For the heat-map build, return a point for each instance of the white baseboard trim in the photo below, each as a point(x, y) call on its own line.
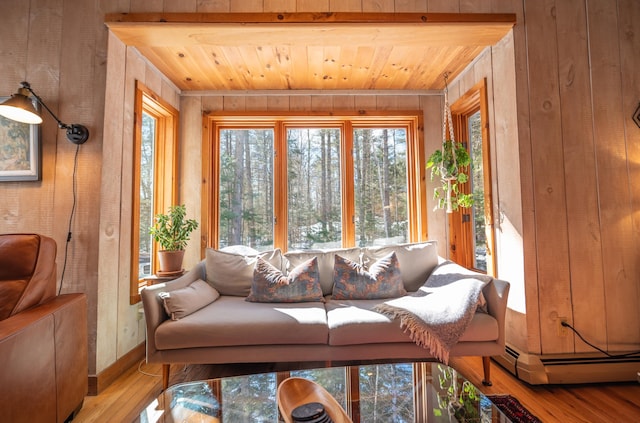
point(568, 368)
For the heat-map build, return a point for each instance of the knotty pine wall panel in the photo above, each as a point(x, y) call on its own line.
point(110, 216)
point(554, 287)
point(585, 245)
point(191, 158)
point(620, 243)
point(122, 323)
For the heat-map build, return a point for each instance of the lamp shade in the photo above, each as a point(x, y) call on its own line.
point(20, 108)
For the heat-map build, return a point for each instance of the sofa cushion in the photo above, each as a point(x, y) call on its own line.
point(353, 322)
point(483, 327)
point(231, 273)
point(417, 261)
point(325, 262)
point(382, 280)
point(184, 301)
point(231, 321)
point(270, 285)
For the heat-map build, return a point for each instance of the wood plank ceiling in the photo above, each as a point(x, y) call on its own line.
point(302, 51)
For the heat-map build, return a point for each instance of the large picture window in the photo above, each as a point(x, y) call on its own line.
point(300, 182)
point(154, 172)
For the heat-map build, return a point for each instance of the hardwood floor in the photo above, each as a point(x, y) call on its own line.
point(594, 403)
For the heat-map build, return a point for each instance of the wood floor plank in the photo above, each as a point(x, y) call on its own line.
point(131, 393)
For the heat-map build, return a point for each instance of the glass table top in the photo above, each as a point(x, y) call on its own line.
point(372, 393)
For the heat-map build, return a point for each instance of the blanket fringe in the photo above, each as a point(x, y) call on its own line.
point(424, 339)
point(416, 331)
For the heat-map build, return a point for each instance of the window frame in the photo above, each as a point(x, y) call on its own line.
point(473, 101)
point(347, 122)
point(165, 190)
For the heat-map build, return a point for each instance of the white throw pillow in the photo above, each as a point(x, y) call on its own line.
point(184, 301)
point(232, 274)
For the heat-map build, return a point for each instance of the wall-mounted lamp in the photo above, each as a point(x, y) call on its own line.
point(20, 108)
point(636, 116)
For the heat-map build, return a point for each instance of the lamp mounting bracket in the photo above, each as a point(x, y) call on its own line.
point(76, 133)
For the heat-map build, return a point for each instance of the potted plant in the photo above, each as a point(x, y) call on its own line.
point(450, 164)
point(171, 231)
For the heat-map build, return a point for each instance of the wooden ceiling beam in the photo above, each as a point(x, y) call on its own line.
point(329, 17)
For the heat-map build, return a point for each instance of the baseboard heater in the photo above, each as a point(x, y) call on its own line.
point(568, 368)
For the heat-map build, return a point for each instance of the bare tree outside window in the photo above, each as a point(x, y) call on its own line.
point(246, 188)
point(314, 188)
point(147, 154)
point(380, 169)
point(477, 188)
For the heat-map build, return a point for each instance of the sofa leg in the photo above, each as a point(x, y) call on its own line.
point(486, 367)
point(166, 368)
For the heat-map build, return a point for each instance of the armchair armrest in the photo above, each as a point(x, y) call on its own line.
point(44, 353)
point(154, 313)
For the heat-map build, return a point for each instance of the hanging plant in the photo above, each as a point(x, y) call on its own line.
point(450, 164)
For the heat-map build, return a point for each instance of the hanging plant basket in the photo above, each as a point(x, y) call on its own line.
point(450, 164)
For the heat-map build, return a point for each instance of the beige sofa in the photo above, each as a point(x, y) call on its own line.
point(225, 328)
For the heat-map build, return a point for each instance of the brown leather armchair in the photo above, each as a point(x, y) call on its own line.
point(43, 336)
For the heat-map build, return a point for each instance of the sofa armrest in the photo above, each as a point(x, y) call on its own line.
point(496, 293)
point(154, 313)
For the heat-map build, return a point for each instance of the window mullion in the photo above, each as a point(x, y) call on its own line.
point(280, 192)
point(348, 200)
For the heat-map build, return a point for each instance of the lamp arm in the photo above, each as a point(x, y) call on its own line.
point(27, 86)
point(77, 134)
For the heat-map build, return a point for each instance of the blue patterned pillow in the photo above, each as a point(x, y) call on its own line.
point(351, 281)
point(270, 285)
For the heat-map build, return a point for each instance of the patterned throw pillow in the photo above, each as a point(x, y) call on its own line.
point(351, 281)
point(417, 260)
point(270, 285)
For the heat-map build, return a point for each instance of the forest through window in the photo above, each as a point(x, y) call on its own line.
point(317, 184)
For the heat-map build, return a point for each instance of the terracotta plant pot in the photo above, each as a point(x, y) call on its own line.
point(170, 261)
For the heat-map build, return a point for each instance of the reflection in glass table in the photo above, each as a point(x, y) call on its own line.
point(376, 393)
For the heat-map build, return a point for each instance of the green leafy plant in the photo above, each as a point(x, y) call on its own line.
point(450, 164)
point(172, 230)
point(456, 398)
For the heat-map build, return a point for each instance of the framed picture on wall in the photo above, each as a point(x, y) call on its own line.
point(20, 150)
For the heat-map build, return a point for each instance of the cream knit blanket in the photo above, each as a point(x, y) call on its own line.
point(435, 317)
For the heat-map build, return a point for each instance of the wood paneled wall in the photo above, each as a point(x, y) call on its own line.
point(62, 55)
point(578, 168)
point(566, 151)
point(125, 67)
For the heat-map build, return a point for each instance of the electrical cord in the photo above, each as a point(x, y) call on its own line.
point(73, 209)
point(630, 354)
point(144, 361)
